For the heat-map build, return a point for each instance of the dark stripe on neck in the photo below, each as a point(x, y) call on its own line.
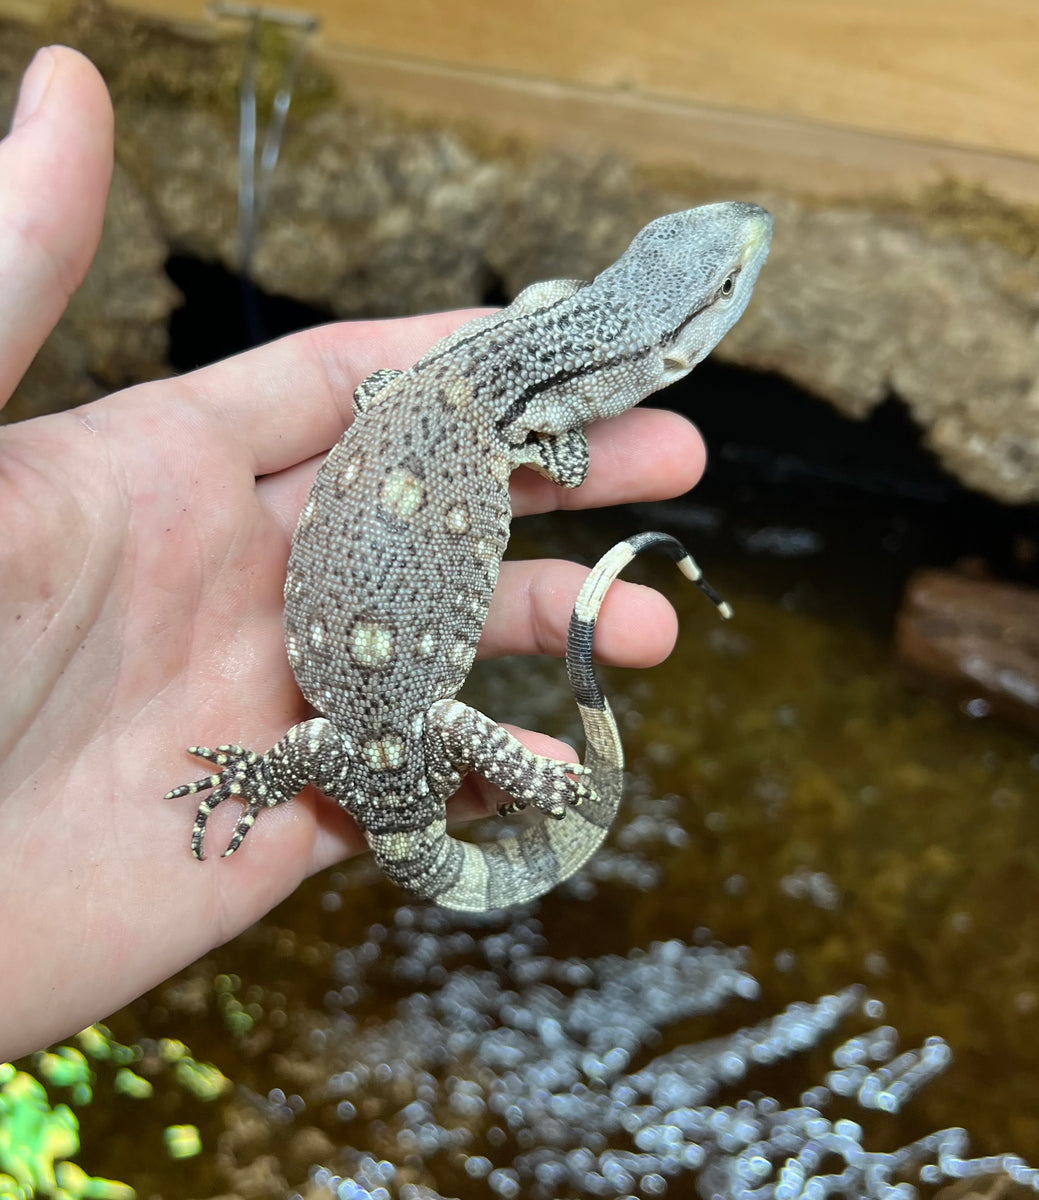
point(671, 337)
point(435, 355)
point(519, 406)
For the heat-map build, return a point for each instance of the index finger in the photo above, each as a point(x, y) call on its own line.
point(286, 401)
point(643, 454)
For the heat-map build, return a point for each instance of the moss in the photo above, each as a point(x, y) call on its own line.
point(40, 1139)
point(145, 61)
point(968, 210)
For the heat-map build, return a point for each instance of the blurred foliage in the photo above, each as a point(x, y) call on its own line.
point(39, 1139)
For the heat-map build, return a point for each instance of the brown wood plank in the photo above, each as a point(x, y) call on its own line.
point(954, 71)
point(821, 95)
point(805, 157)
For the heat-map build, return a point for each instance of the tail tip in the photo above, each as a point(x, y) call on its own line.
point(689, 568)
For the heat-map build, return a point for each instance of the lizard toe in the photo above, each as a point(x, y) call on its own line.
point(241, 775)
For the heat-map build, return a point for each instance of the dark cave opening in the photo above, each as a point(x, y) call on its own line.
point(223, 314)
point(778, 457)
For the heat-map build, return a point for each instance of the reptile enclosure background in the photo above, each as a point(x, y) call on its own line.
point(790, 792)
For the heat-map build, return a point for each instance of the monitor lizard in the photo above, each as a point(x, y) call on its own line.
point(399, 543)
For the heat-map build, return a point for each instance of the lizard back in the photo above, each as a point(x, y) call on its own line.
point(384, 610)
point(398, 548)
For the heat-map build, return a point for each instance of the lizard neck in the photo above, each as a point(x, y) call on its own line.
point(561, 367)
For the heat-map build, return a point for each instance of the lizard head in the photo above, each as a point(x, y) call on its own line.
point(693, 273)
point(639, 325)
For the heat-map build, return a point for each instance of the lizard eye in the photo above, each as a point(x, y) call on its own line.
point(728, 284)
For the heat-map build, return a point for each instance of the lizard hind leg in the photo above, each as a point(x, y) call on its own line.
point(471, 741)
point(311, 752)
point(476, 877)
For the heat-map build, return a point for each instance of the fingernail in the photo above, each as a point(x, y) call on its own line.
point(35, 82)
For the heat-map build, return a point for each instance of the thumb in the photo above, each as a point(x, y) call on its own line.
point(55, 167)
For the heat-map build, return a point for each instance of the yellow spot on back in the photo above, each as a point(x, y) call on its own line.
point(346, 475)
point(371, 644)
point(458, 393)
point(385, 753)
point(458, 519)
point(402, 493)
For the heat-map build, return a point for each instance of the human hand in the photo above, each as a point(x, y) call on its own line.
point(145, 541)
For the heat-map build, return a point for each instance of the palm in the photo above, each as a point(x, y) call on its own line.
point(140, 605)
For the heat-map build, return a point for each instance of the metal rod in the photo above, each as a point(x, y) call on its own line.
point(254, 183)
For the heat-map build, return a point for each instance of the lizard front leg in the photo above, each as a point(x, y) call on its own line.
point(311, 752)
point(470, 741)
point(563, 457)
point(372, 386)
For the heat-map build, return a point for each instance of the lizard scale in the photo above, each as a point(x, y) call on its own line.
point(398, 547)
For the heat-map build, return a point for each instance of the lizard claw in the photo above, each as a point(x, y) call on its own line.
point(241, 775)
point(555, 789)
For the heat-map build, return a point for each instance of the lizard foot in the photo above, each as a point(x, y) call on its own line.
point(554, 787)
point(241, 775)
point(468, 740)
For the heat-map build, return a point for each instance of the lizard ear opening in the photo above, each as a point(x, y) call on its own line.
point(675, 366)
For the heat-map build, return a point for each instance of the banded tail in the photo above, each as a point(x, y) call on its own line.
point(515, 870)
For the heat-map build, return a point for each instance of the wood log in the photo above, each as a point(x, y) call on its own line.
point(977, 639)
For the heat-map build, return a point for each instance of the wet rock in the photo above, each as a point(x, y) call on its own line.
point(978, 638)
point(856, 305)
